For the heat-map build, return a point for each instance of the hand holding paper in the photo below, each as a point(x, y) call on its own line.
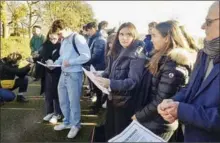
point(66, 63)
point(105, 82)
point(49, 64)
point(93, 78)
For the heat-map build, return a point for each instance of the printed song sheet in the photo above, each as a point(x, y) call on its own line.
point(48, 65)
point(135, 132)
point(91, 76)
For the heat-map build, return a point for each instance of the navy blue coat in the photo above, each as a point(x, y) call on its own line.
point(148, 44)
point(125, 73)
point(201, 113)
point(97, 45)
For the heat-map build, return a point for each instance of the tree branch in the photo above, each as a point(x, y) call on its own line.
point(35, 21)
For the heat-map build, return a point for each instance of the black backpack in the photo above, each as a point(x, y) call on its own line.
point(74, 44)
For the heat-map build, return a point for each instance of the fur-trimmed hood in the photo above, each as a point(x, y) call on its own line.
point(183, 56)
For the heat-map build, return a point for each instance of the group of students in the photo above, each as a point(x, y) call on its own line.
point(173, 86)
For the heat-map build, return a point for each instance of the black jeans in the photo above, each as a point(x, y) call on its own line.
point(51, 93)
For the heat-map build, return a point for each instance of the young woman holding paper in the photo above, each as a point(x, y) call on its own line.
point(123, 77)
point(50, 52)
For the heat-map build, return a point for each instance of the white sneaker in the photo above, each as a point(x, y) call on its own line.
point(54, 119)
point(61, 127)
point(104, 105)
point(73, 132)
point(94, 98)
point(48, 117)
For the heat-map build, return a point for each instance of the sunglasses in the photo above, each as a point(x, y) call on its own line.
point(208, 22)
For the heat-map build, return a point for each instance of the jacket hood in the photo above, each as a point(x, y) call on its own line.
point(182, 56)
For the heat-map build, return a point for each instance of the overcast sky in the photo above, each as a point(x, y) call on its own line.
point(189, 13)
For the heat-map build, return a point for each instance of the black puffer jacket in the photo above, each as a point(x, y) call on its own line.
point(9, 71)
point(174, 71)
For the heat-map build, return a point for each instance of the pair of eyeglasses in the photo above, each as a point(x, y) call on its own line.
point(208, 22)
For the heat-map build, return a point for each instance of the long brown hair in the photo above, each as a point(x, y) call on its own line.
point(110, 39)
point(116, 43)
point(175, 39)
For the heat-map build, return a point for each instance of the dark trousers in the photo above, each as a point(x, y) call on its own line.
point(21, 84)
point(51, 93)
point(117, 119)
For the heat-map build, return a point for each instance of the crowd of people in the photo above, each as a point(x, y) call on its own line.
point(165, 81)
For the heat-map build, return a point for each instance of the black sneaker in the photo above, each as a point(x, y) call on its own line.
point(21, 98)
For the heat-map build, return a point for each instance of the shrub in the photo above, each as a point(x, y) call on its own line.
point(15, 44)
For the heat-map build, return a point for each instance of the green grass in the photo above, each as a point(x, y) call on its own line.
point(22, 122)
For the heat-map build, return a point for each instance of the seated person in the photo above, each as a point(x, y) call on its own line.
point(12, 77)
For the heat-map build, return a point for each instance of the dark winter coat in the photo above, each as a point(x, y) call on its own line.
point(173, 74)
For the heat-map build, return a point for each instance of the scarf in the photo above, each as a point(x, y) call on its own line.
point(211, 48)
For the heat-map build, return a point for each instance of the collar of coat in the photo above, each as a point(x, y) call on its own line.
point(186, 57)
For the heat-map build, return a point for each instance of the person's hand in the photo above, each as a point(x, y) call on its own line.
point(165, 104)
point(168, 110)
point(66, 63)
point(105, 82)
point(174, 109)
point(133, 117)
point(30, 60)
point(49, 63)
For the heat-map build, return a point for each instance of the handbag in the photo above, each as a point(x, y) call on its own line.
point(7, 84)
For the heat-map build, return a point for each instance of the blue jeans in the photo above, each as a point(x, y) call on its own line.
point(69, 91)
point(6, 95)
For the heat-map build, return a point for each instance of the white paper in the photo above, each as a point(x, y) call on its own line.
point(92, 68)
point(48, 65)
point(135, 132)
point(91, 76)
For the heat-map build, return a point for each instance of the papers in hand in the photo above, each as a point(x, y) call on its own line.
point(135, 132)
point(91, 76)
point(48, 65)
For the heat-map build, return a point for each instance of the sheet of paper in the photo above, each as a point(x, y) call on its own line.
point(92, 68)
point(48, 65)
point(135, 132)
point(91, 76)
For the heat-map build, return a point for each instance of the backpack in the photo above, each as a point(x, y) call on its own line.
point(74, 45)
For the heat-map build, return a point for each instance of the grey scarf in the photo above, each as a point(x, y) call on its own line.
point(211, 48)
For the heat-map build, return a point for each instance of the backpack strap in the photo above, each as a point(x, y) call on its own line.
point(74, 44)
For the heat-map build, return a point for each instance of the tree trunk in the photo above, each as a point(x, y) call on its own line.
point(30, 21)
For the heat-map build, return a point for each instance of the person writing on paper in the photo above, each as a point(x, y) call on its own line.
point(166, 72)
point(50, 52)
point(125, 74)
point(198, 105)
point(70, 82)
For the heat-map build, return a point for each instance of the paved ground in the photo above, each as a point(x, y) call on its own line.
point(23, 122)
